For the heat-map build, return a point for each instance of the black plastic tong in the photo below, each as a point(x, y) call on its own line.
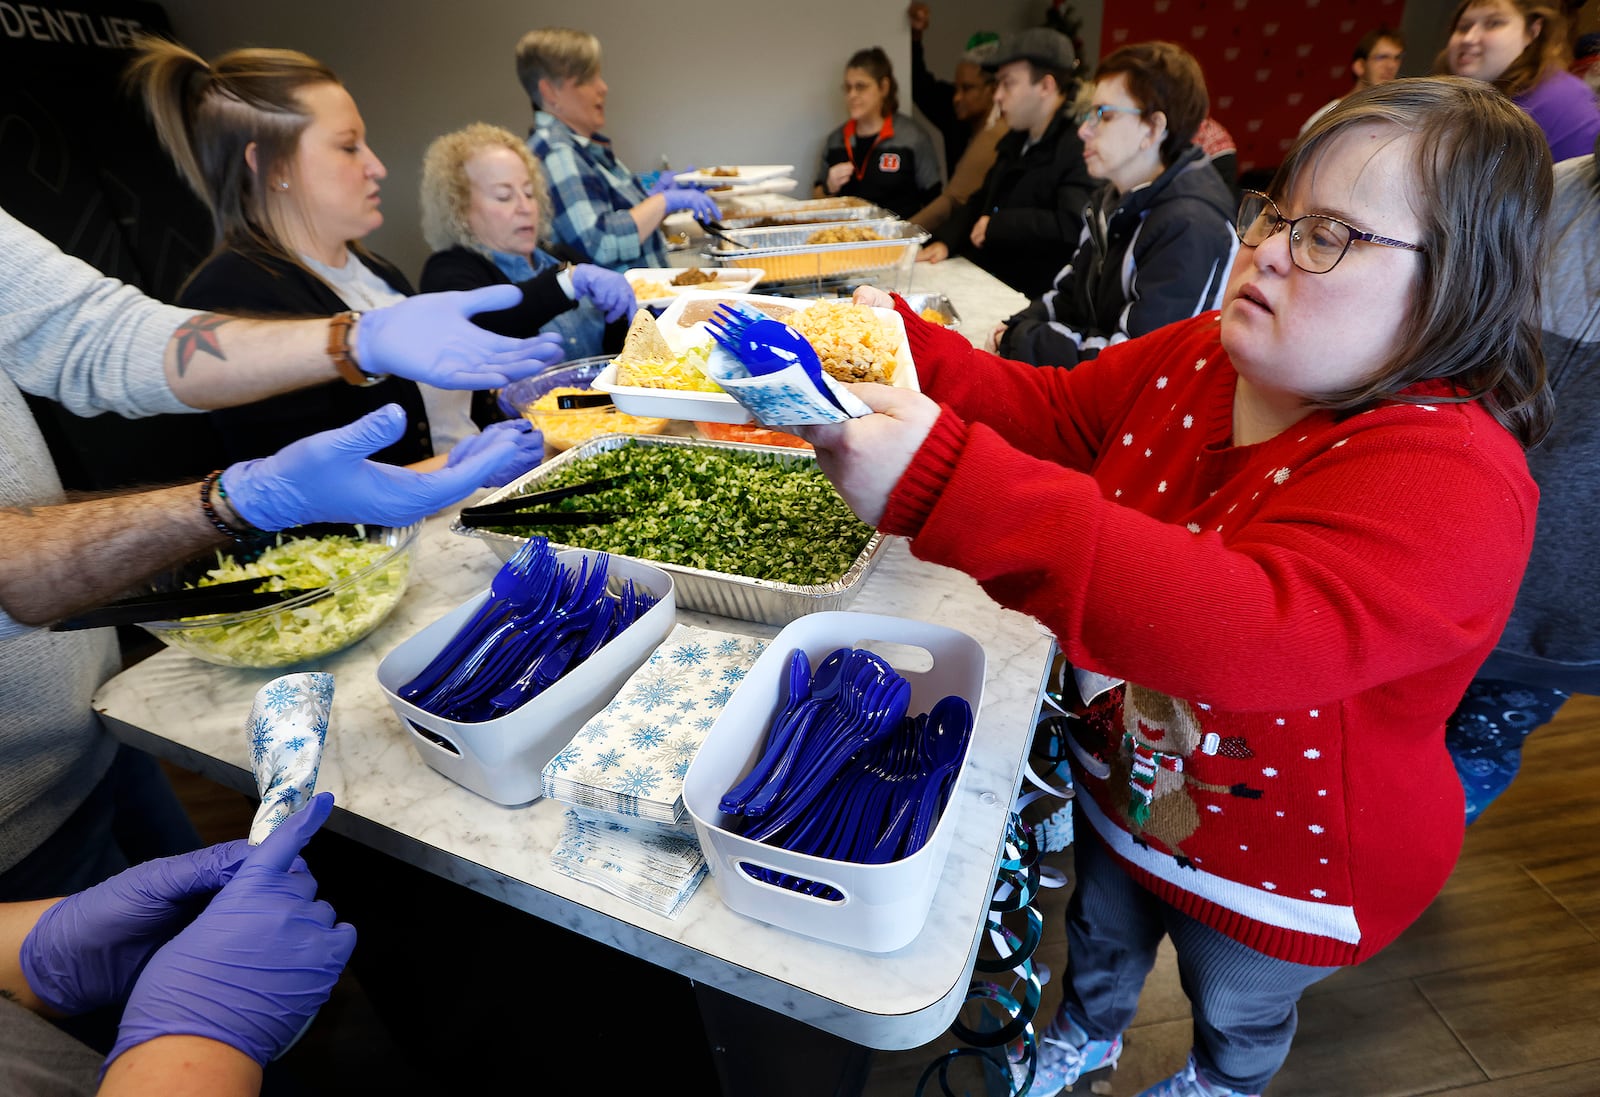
point(522, 510)
point(232, 597)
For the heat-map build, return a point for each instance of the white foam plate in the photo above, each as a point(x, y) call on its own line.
point(729, 280)
point(748, 173)
point(719, 407)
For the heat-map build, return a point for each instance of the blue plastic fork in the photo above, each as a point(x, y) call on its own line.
point(789, 737)
point(765, 345)
point(943, 746)
point(528, 642)
point(797, 686)
point(522, 581)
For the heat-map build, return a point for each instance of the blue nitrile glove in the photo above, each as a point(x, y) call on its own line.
point(429, 338)
point(611, 293)
point(528, 450)
point(85, 951)
point(696, 202)
point(256, 964)
point(327, 478)
point(666, 180)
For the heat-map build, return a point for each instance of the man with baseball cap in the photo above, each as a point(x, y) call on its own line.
point(1025, 220)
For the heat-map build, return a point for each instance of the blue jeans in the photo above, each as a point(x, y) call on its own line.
point(1486, 731)
point(1243, 1002)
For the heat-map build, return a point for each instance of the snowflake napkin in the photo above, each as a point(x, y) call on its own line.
point(287, 727)
point(631, 757)
point(646, 864)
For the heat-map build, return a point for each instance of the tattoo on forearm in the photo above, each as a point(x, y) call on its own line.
point(199, 334)
point(7, 995)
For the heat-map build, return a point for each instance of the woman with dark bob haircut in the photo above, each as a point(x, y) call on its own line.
point(1286, 534)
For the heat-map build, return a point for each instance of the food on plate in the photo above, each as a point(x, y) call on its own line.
point(934, 316)
point(694, 276)
point(722, 171)
point(678, 239)
point(565, 428)
point(760, 515)
point(644, 290)
point(648, 360)
point(752, 433)
point(850, 339)
point(843, 234)
point(696, 311)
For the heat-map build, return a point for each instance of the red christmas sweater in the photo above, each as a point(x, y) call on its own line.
point(1294, 620)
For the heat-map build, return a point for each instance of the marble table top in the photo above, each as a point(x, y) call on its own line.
point(193, 714)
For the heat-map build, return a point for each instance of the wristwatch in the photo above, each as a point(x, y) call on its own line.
point(341, 350)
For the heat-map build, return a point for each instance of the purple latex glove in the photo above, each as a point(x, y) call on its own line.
point(257, 963)
point(85, 951)
point(696, 202)
point(611, 293)
point(528, 451)
point(666, 180)
point(429, 338)
point(326, 477)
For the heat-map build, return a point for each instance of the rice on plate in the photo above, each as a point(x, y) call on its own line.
point(851, 341)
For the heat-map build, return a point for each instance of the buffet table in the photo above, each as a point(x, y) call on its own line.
point(193, 714)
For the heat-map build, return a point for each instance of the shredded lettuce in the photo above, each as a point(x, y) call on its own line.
point(276, 638)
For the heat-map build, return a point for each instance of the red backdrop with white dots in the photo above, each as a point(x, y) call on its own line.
point(1268, 63)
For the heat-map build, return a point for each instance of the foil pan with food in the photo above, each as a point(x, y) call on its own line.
point(746, 531)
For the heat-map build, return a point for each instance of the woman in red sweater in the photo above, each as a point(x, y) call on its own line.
point(1291, 531)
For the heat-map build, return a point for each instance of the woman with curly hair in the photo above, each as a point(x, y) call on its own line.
point(485, 208)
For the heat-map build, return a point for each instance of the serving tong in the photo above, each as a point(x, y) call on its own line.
point(235, 596)
point(513, 510)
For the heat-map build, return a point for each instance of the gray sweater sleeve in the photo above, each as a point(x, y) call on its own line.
point(72, 334)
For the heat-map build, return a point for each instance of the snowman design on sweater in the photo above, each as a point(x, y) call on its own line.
point(1159, 733)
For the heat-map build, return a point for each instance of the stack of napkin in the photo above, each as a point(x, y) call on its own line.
point(628, 831)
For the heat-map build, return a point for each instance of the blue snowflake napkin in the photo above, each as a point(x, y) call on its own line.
point(631, 758)
point(287, 727)
point(648, 864)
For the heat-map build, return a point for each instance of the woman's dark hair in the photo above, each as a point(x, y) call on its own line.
point(1163, 77)
point(875, 63)
point(1482, 187)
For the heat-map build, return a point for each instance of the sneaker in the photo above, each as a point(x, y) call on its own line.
point(1188, 1082)
point(1065, 1053)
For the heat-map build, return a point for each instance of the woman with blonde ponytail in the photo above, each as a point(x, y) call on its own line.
point(275, 146)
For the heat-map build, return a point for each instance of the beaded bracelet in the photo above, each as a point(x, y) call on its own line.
point(214, 477)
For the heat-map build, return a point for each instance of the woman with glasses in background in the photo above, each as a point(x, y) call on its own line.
point(1157, 236)
point(879, 154)
point(1521, 47)
point(1287, 533)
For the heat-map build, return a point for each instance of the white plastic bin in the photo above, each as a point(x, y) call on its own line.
point(882, 907)
point(502, 759)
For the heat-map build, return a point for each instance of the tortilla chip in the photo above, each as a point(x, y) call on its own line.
point(644, 343)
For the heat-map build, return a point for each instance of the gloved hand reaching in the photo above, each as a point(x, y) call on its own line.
point(611, 293)
point(666, 180)
point(327, 477)
point(695, 201)
point(85, 951)
point(528, 449)
point(430, 338)
point(255, 966)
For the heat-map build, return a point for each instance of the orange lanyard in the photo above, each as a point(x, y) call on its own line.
point(860, 170)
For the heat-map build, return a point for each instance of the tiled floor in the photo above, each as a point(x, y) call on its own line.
point(1494, 991)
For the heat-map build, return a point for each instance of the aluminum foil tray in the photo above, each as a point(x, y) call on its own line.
point(936, 301)
point(782, 251)
point(809, 212)
point(738, 596)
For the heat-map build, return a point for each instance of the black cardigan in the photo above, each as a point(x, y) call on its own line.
point(462, 268)
point(254, 283)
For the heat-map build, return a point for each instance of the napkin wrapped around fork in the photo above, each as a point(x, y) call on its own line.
point(287, 727)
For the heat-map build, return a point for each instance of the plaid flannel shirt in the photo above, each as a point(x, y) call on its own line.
point(591, 192)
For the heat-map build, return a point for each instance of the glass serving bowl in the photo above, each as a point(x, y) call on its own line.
point(311, 626)
point(565, 429)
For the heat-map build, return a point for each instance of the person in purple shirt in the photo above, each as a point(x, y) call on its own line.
point(1520, 46)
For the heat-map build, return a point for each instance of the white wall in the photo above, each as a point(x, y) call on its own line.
point(700, 81)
